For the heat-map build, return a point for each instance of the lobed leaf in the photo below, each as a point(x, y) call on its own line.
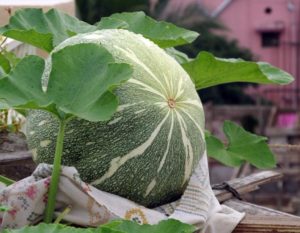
point(11, 58)
point(162, 33)
point(165, 226)
point(217, 150)
point(242, 146)
point(22, 88)
point(121, 226)
point(4, 208)
point(50, 228)
point(43, 30)
point(111, 23)
point(180, 57)
point(6, 181)
point(72, 90)
point(85, 92)
point(4, 65)
point(206, 71)
point(46, 30)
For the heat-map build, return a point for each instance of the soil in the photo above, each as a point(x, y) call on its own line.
point(10, 143)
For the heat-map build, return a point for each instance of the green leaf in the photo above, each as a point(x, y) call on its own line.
point(51, 228)
point(43, 30)
point(81, 78)
point(11, 58)
point(3, 104)
point(242, 146)
point(6, 180)
point(165, 226)
point(111, 23)
point(162, 33)
point(206, 71)
point(4, 208)
point(46, 30)
point(4, 65)
point(121, 226)
point(22, 88)
point(217, 150)
point(80, 83)
point(180, 57)
point(8, 60)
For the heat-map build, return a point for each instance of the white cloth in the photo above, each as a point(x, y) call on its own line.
point(92, 207)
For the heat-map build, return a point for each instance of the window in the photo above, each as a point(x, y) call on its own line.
point(270, 39)
point(268, 10)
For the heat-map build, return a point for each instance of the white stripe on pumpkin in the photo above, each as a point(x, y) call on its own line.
point(119, 161)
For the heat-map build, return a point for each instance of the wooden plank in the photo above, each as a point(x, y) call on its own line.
point(258, 219)
point(268, 224)
point(256, 210)
point(13, 157)
point(248, 184)
point(263, 219)
point(274, 131)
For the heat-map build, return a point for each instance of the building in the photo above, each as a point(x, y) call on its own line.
point(270, 29)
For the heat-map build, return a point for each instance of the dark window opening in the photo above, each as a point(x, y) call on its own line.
point(268, 10)
point(270, 39)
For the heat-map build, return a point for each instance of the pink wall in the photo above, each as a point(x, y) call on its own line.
point(247, 20)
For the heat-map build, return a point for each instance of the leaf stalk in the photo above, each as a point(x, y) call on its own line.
point(55, 173)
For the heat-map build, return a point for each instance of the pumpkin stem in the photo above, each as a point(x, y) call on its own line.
point(55, 173)
point(171, 103)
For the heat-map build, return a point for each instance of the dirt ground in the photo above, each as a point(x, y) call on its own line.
point(11, 143)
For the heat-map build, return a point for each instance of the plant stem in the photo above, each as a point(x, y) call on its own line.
point(62, 215)
point(6, 180)
point(55, 173)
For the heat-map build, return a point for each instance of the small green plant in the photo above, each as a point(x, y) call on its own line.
point(67, 96)
point(10, 121)
point(123, 226)
point(6, 180)
point(3, 208)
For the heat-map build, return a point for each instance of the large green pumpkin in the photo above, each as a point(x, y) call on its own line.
point(149, 149)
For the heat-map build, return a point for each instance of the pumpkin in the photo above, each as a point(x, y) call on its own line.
point(149, 149)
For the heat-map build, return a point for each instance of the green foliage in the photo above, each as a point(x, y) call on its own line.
point(180, 57)
point(92, 11)
point(46, 30)
point(22, 89)
point(120, 226)
point(7, 125)
point(90, 99)
point(3, 208)
point(4, 65)
point(242, 146)
point(109, 23)
point(8, 60)
point(43, 30)
point(166, 226)
point(11, 58)
point(162, 33)
point(6, 180)
point(86, 92)
point(207, 70)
